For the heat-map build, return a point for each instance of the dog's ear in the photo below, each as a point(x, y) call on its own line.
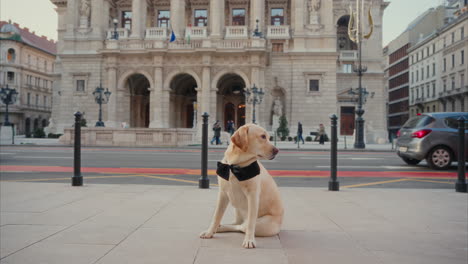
point(241, 138)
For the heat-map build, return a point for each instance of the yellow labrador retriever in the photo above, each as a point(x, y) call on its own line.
point(248, 186)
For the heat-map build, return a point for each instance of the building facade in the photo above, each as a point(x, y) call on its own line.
point(27, 65)
point(168, 61)
point(399, 77)
point(439, 68)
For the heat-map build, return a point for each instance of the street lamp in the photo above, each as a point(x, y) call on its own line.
point(8, 97)
point(355, 33)
point(101, 97)
point(254, 96)
point(257, 32)
point(115, 34)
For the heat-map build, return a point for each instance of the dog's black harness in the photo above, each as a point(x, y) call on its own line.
point(242, 174)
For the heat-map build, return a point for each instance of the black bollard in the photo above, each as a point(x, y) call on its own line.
point(204, 182)
point(333, 184)
point(460, 185)
point(77, 179)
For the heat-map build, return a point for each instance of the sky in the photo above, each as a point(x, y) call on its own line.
point(40, 16)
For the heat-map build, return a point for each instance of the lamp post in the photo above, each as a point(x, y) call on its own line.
point(8, 97)
point(115, 34)
point(257, 32)
point(355, 33)
point(101, 97)
point(254, 96)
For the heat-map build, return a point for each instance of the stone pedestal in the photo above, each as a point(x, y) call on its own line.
point(6, 135)
point(84, 22)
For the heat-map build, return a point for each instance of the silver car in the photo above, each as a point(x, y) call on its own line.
point(431, 136)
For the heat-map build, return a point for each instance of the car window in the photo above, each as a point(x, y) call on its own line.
point(418, 121)
point(452, 121)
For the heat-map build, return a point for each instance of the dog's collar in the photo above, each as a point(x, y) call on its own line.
point(242, 174)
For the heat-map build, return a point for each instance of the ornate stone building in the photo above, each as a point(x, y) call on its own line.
point(297, 51)
point(26, 65)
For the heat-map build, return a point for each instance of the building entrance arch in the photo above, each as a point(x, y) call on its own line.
point(231, 99)
point(138, 86)
point(183, 98)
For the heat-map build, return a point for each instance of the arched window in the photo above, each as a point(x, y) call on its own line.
point(11, 55)
point(344, 43)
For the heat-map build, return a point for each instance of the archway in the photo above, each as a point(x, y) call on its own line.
point(344, 43)
point(138, 86)
point(183, 96)
point(231, 99)
point(27, 127)
point(36, 124)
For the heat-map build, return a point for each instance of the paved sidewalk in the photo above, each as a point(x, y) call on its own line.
point(50, 223)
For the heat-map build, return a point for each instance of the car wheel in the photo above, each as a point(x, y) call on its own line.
point(411, 161)
point(439, 158)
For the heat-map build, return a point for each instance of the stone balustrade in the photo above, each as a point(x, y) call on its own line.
point(236, 32)
point(132, 137)
point(142, 45)
point(348, 55)
point(196, 32)
point(122, 32)
point(156, 33)
point(278, 32)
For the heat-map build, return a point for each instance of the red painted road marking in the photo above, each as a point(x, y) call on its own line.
point(282, 173)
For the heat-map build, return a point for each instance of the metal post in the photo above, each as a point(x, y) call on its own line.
point(77, 179)
point(461, 185)
point(333, 184)
point(253, 103)
point(204, 182)
point(7, 122)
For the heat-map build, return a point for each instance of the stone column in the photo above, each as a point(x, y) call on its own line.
point(298, 8)
point(138, 18)
point(99, 17)
point(71, 17)
point(216, 18)
point(112, 118)
point(257, 11)
point(178, 17)
point(156, 99)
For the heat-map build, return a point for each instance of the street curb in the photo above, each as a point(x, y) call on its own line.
point(194, 146)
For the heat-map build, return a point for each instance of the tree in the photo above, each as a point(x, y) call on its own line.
point(283, 129)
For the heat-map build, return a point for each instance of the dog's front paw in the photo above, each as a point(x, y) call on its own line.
point(206, 234)
point(249, 243)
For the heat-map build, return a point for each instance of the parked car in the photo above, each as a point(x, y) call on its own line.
point(431, 136)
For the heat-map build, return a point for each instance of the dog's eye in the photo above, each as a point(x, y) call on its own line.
point(263, 136)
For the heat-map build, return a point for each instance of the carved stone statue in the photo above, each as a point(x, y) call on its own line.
point(85, 12)
point(277, 107)
point(85, 8)
point(314, 6)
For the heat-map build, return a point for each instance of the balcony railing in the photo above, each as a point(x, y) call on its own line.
point(196, 32)
point(136, 45)
point(278, 32)
point(156, 33)
point(348, 55)
point(236, 32)
point(122, 32)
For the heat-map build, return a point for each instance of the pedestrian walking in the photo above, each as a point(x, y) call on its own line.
point(230, 127)
point(299, 133)
point(321, 133)
point(217, 133)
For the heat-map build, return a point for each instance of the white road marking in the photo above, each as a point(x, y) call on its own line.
point(340, 158)
point(376, 167)
point(6, 153)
